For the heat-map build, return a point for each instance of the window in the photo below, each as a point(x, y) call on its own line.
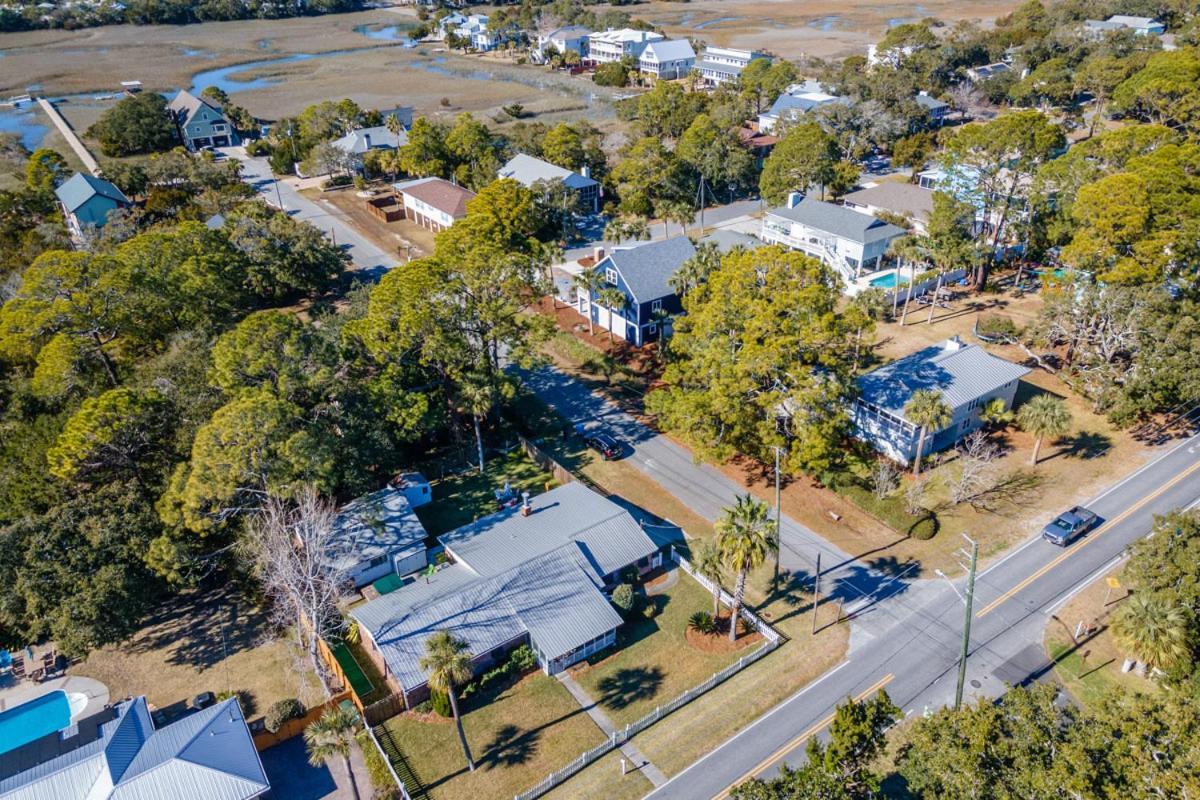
point(377, 560)
point(653, 328)
point(610, 275)
point(656, 305)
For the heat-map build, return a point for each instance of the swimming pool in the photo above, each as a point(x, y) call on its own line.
point(887, 281)
point(34, 719)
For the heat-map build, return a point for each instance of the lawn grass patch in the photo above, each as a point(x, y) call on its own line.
point(518, 735)
point(653, 662)
point(603, 779)
point(464, 498)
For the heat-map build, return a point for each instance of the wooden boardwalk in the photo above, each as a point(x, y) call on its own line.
point(69, 134)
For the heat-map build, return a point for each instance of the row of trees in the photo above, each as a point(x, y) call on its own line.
point(28, 15)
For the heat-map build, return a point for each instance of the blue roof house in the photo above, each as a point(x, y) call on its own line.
point(87, 201)
point(965, 375)
point(643, 274)
point(119, 754)
point(537, 574)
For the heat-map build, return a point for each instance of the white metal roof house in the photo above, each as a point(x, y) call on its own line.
point(851, 242)
point(528, 170)
point(534, 574)
point(570, 37)
point(1141, 26)
point(795, 103)
point(379, 534)
point(720, 65)
point(613, 45)
point(667, 59)
point(118, 754)
point(988, 71)
point(965, 375)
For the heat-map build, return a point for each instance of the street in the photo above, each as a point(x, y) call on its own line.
point(905, 635)
point(364, 255)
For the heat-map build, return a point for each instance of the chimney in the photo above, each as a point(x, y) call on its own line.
point(526, 508)
point(598, 254)
point(367, 138)
point(952, 344)
point(794, 199)
point(585, 171)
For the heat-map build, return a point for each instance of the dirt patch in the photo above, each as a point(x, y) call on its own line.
point(719, 642)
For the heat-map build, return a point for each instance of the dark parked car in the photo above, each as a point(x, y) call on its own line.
point(203, 700)
point(608, 447)
point(1069, 526)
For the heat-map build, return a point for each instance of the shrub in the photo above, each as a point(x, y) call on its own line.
point(650, 610)
point(441, 703)
point(424, 707)
point(377, 769)
point(994, 326)
point(280, 712)
point(623, 598)
point(612, 74)
point(702, 622)
point(523, 658)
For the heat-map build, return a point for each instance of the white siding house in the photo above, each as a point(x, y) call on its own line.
point(379, 534)
point(668, 59)
point(433, 203)
point(851, 242)
point(613, 45)
point(720, 65)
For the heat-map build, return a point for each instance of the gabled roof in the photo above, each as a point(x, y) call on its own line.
point(359, 141)
point(539, 574)
point(568, 32)
point(958, 372)
point(907, 199)
point(208, 755)
point(187, 104)
point(930, 103)
point(377, 524)
point(803, 102)
point(620, 35)
point(527, 170)
point(647, 268)
point(439, 193)
point(81, 187)
point(669, 50)
point(838, 220)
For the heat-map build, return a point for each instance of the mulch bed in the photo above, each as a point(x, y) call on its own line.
point(719, 642)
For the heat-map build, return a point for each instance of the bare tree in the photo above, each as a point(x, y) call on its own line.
point(885, 478)
point(914, 496)
point(293, 551)
point(978, 469)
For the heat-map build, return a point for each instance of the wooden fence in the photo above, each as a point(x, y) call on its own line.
point(383, 709)
point(546, 461)
point(387, 208)
point(294, 727)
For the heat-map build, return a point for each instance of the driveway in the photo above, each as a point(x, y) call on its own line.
point(293, 778)
point(365, 256)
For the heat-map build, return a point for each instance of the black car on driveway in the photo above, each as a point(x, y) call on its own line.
point(1069, 526)
point(608, 447)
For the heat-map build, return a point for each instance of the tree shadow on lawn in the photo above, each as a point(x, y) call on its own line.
point(510, 746)
point(203, 627)
point(629, 685)
point(1084, 445)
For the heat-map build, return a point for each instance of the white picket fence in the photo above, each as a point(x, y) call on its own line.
point(771, 639)
point(404, 795)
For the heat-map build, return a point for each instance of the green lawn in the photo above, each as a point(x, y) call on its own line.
point(653, 662)
point(518, 736)
point(603, 779)
point(464, 498)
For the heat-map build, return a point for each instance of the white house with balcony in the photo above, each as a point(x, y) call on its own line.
point(613, 45)
point(1141, 26)
point(573, 38)
point(667, 59)
point(851, 242)
point(720, 65)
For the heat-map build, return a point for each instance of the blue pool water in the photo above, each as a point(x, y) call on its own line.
point(33, 720)
point(887, 281)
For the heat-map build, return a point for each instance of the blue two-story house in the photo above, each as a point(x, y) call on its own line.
point(642, 273)
point(200, 124)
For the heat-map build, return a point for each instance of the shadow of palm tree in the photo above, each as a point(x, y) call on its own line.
point(1085, 445)
point(629, 685)
point(509, 747)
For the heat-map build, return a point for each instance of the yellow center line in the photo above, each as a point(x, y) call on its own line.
point(1070, 551)
point(802, 738)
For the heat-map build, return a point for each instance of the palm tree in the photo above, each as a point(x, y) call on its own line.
point(746, 536)
point(927, 410)
point(696, 269)
point(709, 564)
point(995, 413)
point(636, 228)
point(478, 397)
point(332, 735)
point(615, 231)
point(1044, 415)
point(911, 250)
point(589, 282)
point(613, 298)
point(1151, 629)
point(447, 662)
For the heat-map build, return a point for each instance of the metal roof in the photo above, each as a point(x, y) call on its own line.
point(647, 268)
point(838, 220)
point(725, 69)
point(907, 199)
point(359, 141)
point(958, 372)
point(803, 102)
point(81, 187)
point(377, 524)
point(527, 170)
point(670, 50)
point(726, 240)
point(208, 755)
point(539, 574)
point(930, 103)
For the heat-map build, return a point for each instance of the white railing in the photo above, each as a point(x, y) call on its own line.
point(771, 639)
point(819, 250)
point(404, 795)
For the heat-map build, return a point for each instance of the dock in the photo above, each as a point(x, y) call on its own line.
point(69, 134)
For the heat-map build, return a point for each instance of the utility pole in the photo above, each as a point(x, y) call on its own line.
point(816, 594)
point(966, 640)
point(778, 518)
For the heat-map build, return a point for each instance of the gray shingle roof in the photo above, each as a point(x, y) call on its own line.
point(726, 240)
point(376, 524)
point(838, 220)
point(929, 103)
point(208, 755)
point(81, 187)
point(900, 198)
point(359, 141)
point(527, 170)
point(647, 268)
point(959, 372)
point(540, 575)
point(185, 105)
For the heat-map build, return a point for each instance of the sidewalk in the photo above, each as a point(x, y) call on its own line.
point(628, 749)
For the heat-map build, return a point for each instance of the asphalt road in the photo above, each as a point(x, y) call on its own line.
point(364, 255)
point(905, 635)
